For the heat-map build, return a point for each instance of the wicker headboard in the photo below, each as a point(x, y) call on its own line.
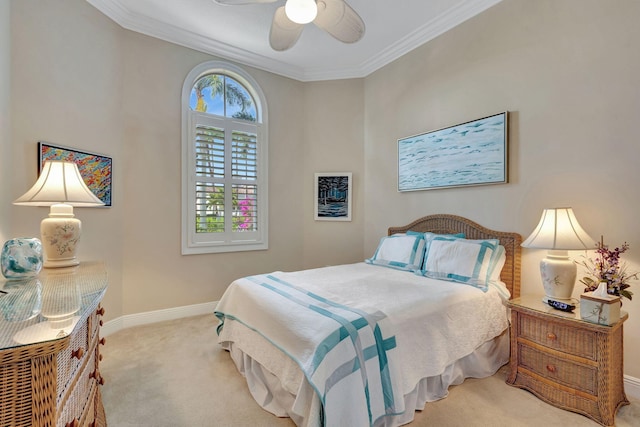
point(451, 224)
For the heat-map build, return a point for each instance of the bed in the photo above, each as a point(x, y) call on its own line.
point(368, 344)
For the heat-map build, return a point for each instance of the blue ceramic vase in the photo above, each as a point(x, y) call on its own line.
point(21, 258)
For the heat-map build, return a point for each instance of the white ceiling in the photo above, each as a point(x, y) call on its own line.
point(241, 33)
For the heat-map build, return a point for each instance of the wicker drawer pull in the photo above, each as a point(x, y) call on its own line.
point(551, 336)
point(100, 311)
point(551, 368)
point(96, 374)
point(102, 341)
point(78, 353)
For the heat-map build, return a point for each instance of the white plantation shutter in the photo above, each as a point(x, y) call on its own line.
point(209, 146)
point(247, 196)
point(244, 155)
point(224, 181)
point(209, 165)
point(244, 169)
point(203, 191)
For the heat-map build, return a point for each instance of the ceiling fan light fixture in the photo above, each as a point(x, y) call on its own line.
point(301, 11)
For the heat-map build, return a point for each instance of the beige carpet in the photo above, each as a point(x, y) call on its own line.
point(174, 374)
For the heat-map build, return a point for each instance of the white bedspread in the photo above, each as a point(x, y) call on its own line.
point(435, 322)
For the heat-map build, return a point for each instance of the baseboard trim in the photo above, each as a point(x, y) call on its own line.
point(138, 319)
point(631, 384)
point(632, 387)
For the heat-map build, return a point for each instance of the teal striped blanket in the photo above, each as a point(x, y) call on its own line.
point(348, 354)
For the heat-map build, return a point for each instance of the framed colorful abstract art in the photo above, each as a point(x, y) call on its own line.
point(96, 169)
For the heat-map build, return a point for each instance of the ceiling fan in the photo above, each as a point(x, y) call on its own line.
point(336, 17)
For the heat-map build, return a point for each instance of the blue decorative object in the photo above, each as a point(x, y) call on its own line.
point(21, 257)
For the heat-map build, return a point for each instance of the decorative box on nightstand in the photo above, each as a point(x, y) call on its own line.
point(604, 310)
point(566, 361)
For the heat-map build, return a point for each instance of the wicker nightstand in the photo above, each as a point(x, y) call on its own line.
point(49, 348)
point(565, 361)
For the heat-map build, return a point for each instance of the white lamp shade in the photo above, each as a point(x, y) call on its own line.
point(558, 229)
point(301, 11)
point(60, 186)
point(559, 232)
point(59, 182)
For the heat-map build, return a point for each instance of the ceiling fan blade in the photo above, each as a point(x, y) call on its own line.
point(284, 32)
point(235, 2)
point(338, 19)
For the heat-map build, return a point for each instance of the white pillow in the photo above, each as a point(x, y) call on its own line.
point(399, 251)
point(497, 268)
point(495, 281)
point(462, 260)
point(429, 236)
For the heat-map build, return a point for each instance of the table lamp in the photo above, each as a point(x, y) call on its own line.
point(559, 232)
point(61, 187)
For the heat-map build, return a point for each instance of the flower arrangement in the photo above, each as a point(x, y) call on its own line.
point(608, 268)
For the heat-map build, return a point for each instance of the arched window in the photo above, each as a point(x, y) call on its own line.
point(224, 161)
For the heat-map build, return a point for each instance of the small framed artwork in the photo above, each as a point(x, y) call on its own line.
point(96, 169)
point(471, 153)
point(333, 196)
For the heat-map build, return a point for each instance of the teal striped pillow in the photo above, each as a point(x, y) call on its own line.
point(462, 260)
point(399, 251)
point(429, 236)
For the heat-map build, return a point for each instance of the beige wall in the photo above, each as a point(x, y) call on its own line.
point(66, 83)
point(568, 73)
point(334, 119)
point(156, 275)
point(80, 80)
point(566, 70)
point(5, 135)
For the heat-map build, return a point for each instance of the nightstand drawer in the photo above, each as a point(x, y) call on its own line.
point(71, 358)
point(567, 339)
point(81, 396)
point(580, 377)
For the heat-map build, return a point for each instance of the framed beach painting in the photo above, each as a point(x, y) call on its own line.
point(96, 169)
point(471, 153)
point(332, 196)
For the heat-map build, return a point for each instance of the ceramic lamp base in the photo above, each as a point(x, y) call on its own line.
point(558, 274)
point(61, 263)
point(60, 236)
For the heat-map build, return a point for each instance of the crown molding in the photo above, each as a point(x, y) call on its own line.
point(438, 25)
point(121, 15)
point(433, 28)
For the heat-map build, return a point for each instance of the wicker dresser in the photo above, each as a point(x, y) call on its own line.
point(49, 348)
point(565, 361)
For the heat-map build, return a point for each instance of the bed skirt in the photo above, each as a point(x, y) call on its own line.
point(280, 388)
